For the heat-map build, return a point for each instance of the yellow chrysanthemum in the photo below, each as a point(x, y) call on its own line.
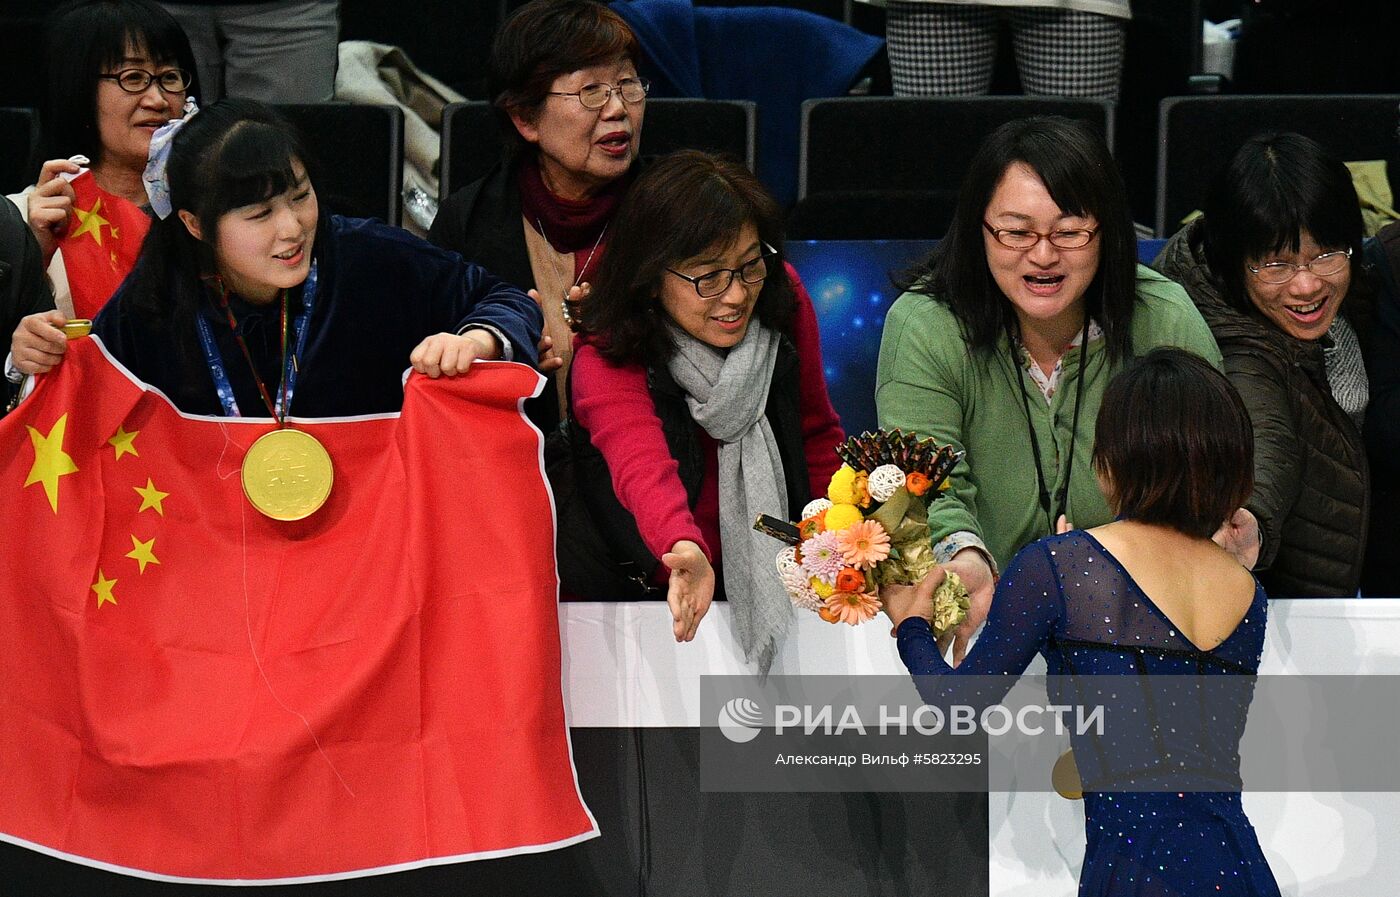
point(839, 516)
point(841, 490)
point(823, 589)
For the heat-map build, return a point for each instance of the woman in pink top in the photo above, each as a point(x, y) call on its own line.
point(696, 402)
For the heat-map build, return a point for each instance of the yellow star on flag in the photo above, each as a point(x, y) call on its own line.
point(90, 222)
point(143, 553)
point(103, 588)
point(116, 232)
point(151, 497)
point(50, 460)
point(124, 442)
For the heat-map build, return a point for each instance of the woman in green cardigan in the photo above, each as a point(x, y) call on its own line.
point(985, 349)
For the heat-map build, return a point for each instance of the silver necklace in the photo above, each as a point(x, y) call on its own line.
point(564, 300)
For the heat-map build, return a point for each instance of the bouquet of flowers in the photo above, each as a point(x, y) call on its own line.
point(870, 530)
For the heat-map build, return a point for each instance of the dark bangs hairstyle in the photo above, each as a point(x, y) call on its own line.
point(88, 38)
point(232, 154)
point(1173, 443)
point(541, 41)
point(1074, 164)
point(1275, 187)
point(680, 206)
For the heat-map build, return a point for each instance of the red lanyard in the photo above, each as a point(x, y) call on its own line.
point(262, 387)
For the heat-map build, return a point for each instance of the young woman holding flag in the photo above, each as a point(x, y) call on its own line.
point(246, 299)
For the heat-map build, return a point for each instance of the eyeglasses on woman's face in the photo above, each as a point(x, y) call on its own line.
point(138, 80)
point(714, 283)
point(1020, 238)
point(596, 96)
point(1325, 265)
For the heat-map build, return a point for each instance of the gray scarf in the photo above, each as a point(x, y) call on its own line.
point(726, 395)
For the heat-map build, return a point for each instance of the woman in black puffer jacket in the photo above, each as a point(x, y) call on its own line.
point(1276, 269)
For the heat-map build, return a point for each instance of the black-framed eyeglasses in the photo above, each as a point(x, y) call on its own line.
point(137, 80)
point(1324, 265)
point(1020, 238)
point(714, 283)
point(596, 96)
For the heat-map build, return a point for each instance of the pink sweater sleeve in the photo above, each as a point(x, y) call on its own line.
point(613, 403)
point(821, 428)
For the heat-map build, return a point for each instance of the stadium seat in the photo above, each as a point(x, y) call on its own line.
point(890, 167)
point(1200, 134)
point(358, 151)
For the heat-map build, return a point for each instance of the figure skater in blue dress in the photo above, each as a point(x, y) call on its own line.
point(1145, 596)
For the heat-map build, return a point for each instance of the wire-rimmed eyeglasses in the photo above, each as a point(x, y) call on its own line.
point(1324, 265)
point(596, 96)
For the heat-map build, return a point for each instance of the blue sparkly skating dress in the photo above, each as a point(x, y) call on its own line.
point(1069, 599)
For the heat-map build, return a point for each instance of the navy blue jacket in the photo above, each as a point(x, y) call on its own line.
point(381, 291)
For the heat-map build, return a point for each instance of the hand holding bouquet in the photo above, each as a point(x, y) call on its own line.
point(870, 530)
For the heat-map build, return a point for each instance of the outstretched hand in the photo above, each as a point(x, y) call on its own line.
point(691, 589)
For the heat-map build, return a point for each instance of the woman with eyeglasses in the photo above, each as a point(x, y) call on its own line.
point(118, 70)
point(1275, 266)
point(562, 77)
point(1009, 332)
point(696, 402)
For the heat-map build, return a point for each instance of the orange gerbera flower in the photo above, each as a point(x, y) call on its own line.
point(917, 483)
point(864, 544)
point(850, 580)
point(852, 608)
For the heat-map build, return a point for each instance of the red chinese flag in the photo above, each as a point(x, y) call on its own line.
point(190, 689)
point(100, 248)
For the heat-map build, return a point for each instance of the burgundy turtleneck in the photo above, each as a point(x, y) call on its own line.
point(574, 226)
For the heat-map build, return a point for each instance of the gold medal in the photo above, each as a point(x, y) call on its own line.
point(287, 474)
point(1065, 777)
point(76, 328)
